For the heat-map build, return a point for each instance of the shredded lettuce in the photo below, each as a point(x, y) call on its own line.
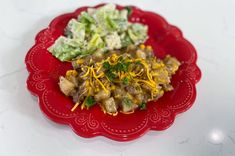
point(95, 42)
point(64, 49)
point(137, 33)
point(101, 29)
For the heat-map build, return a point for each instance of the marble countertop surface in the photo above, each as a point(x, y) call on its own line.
point(207, 129)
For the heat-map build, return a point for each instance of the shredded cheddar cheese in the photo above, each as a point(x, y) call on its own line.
point(118, 71)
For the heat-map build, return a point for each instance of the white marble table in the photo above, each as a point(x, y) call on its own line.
point(208, 128)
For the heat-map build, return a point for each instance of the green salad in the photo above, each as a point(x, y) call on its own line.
point(98, 31)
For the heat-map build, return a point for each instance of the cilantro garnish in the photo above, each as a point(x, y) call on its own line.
point(90, 101)
point(142, 106)
point(125, 80)
point(106, 65)
point(110, 75)
point(110, 69)
point(129, 10)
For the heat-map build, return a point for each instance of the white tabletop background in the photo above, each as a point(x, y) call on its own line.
point(207, 129)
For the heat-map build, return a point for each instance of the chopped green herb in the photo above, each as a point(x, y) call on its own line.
point(110, 69)
point(106, 65)
point(110, 75)
point(129, 10)
point(90, 101)
point(138, 62)
point(121, 66)
point(142, 106)
point(125, 81)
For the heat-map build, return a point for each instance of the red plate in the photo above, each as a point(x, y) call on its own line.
point(44, 71)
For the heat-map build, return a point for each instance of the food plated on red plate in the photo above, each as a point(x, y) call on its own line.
point(99, 67)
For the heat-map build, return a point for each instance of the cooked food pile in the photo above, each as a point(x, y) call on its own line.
point(120, 80)
point(112, 67)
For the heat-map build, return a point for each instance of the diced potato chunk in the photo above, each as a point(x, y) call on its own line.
point(128, 106)
point(102, 95)
point(132, 90)
point(140, 54)
point(110, 105)
point(172, 64)
point(66, 86)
